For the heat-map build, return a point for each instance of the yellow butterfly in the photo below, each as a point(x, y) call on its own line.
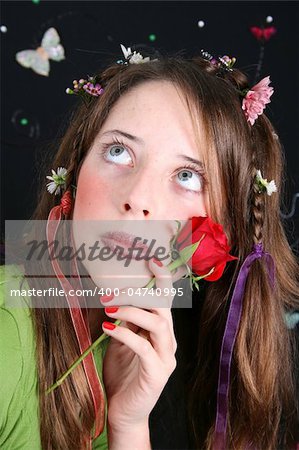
point(38, 60)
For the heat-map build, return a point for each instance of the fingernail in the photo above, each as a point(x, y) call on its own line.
point(111, 309)
point(109, 325)
point(156, 261)
point(106, 298)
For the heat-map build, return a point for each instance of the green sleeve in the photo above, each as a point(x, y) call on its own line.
point(19, 412)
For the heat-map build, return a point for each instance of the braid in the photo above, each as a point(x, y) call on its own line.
point(76, 156)
point(238, 80)
point(258, 211)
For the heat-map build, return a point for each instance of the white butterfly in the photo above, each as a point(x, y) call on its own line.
point(38, 60)
point(134, 58)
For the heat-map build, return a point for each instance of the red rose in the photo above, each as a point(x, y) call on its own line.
point(213, 250)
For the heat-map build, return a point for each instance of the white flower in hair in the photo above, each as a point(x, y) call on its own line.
point(264, 185)
point(134, 58)
point(126, 51)
point(271, 187)
point(57, 181)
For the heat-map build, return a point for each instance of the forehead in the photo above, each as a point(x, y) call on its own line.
point(152, 107)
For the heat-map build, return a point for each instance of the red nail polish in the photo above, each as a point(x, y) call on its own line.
point(111, 309)
point(106, 298)
point(109, 325)
point(156, 261)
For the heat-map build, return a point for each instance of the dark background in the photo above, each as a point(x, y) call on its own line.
point(91, 33)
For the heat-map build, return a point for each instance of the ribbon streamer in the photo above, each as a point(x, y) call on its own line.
point(80, 325)
point(228, 341)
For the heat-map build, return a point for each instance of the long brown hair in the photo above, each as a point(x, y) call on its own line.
point(263, 386)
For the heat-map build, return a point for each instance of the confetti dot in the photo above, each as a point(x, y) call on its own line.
point(152, 37)
point(269, 19)
point(201, 24)
point(3, 29)
point(26, 124)
point(35, 1)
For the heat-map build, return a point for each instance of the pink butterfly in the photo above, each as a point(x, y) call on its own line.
point(263, 34)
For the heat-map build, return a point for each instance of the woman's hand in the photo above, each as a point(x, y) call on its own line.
point(141, 355)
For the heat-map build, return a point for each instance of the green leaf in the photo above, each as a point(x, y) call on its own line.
point(188, 251)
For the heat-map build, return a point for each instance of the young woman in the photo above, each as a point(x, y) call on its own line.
point(167, 139)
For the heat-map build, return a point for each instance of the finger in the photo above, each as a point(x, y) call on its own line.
point(139, 297)
point(164, 284)
point(158, 304)
point(156, 325)
point(140, 346)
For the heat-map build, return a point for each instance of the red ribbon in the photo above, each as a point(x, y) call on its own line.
point(79, 322)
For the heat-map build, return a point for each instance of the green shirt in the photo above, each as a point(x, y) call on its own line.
point(19, 411)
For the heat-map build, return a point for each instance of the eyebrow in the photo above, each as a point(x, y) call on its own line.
point(127, 135)
point(141, 141)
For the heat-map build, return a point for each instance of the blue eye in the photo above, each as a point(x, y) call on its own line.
point(118, 155)
point(192, 180)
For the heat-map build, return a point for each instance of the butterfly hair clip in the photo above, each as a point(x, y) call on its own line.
point(132, 58)
point(38, 60)
point(224, 63)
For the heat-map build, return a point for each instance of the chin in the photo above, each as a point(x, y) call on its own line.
point(120, 283)
point(114, 274)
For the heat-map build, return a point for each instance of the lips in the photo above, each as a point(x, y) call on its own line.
point(112, 239)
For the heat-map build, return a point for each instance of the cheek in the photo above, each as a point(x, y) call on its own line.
point(193, 208)
point(201, 208)
point(92, 196)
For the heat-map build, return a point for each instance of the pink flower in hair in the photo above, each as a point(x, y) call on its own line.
point(256, 99)
point(93, 89)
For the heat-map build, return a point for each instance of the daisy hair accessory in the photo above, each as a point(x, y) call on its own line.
point(132, 58)
point(78, 314)
point(263, 185)
point(256, 99)
point(233, 323)
point(86, 89)
point(58, 180)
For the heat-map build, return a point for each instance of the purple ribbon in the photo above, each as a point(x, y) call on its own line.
point(228, 341)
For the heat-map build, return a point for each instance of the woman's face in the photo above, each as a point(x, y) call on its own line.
point(139, 169)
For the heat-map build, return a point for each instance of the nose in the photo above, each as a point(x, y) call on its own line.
point(140, 199)
point(144, 213)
